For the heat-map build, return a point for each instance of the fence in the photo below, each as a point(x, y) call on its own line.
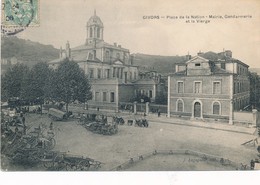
point(204, 156)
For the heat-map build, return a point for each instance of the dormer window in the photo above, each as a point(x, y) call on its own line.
point(197, 64)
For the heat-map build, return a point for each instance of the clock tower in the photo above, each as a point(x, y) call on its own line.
point(95, 30)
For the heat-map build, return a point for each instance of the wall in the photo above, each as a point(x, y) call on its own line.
point(206, 97)
point(125, 92)
point(246, 117)
point(207, 85)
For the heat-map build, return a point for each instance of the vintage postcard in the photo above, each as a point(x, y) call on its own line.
point(124, 85)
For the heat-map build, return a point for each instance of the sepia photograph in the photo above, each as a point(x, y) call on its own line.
point(130, 86)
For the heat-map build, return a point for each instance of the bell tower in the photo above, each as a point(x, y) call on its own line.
point(95, 30)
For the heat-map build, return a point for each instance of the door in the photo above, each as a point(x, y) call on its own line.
point(197, 110)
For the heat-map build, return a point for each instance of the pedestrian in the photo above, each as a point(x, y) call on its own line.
point(159, 113)
point(98, 109)
point(23, 120)
point(51, 126)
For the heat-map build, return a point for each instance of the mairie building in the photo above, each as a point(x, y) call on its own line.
point(109, 67)
point(209, 87)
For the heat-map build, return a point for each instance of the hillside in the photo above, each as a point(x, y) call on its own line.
point(161, 64)
point(27, 51)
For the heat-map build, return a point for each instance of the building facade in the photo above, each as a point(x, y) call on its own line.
point(109, 67)
point(206, 88)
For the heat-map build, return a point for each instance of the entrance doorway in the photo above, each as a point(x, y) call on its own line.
point(197, 110)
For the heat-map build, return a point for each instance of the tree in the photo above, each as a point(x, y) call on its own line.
point(254, 90)
point(70, 83)
point(38, 80)
point(161, 98)
point(14, 81)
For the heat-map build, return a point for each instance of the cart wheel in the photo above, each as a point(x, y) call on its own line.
point(83, 165)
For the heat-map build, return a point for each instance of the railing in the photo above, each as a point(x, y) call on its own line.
point(204, 157)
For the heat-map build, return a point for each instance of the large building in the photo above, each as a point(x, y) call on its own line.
point(209, 87)
point(110, 68)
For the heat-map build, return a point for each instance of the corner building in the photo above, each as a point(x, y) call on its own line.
point(209, 88)
point(109, 67)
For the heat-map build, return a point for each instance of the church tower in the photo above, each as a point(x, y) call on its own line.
point(95, 29)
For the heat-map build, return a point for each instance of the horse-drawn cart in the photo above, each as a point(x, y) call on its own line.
point(57, 115)
point(57, 161)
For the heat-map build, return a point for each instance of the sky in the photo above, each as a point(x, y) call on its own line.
point(124, 23)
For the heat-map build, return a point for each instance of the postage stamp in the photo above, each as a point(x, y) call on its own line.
point(20, 13)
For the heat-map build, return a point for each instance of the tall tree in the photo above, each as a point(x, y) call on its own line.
point(38, 75)
point(71, 83)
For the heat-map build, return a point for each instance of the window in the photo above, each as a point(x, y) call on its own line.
point(112, 97)
point(150, 93)
point(197, 87)
point(130, 76)
point(125, 77)
point(121, 74)
point(135, 75)
point(118, 55)
point(97, 96)
point(91, 32)
point(98, 32)
point(107, 56)
point(114, 72)
point(223, 65)
point(179, 106)
point(216, 88)
point(197, 64)
point(118, 72)
point(180, 87)
point(90, 56)
point(216, 108)
point(107, 73)
point(99, 73)
point(104, 96)
point(91, 73)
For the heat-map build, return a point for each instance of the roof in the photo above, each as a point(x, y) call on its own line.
point(56, 61)
point(221, 57)
point(197, 57)
point(94, 20)
point(146, 82)
point(99, 44)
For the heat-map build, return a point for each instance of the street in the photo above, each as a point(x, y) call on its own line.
point(131, 141)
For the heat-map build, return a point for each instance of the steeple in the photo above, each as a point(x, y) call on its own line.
point(94, 29)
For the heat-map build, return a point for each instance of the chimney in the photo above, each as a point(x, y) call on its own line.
point(115, 44)
point(188, 57)
point(68, 49)
point(200, 53)
point(228, 53)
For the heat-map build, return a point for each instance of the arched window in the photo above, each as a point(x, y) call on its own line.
point(216, 108)
point(98, 32)
point(179, 106)
point(90, 32)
